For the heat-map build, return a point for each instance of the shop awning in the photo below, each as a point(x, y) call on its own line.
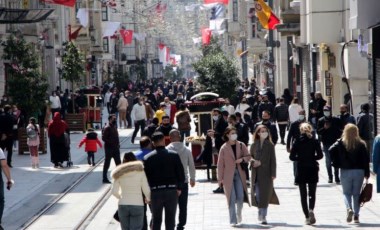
point(17, 16)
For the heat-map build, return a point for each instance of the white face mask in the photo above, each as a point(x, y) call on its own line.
point(327, 113)
point(233, 137)
point(301, 117)
point(264, 135)
point(215, 118)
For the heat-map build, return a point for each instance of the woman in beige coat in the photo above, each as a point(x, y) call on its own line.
point(263, 172)
point(231, 175)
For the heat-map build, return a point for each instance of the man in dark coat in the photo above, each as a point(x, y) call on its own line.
point(6, 132)
point(329, 130)
point(265, 105)
point(316, 109)
point(365, 125)
point(110, 137)
point(271, 126)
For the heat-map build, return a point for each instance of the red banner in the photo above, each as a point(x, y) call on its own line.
point(206, 36)
point(127, 36)
point(225, 2)
point(70, 3)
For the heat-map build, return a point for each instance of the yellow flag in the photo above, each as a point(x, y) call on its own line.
point(266, 17)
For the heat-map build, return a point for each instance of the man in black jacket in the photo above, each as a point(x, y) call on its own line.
point(365, 126)
point(265, 105)
point(281, 116)
point(6, 132)
point(329, 131)
point(293, 134)
point(271, 126)
point(166, 178)
point(110, 137)
point(316, 109)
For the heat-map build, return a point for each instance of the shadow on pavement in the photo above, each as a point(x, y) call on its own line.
point(329, 226)
point(270, 225)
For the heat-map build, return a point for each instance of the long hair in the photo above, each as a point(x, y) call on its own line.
point(350, 137)
point(306, 129)
point(256, 136)
point(226, 132)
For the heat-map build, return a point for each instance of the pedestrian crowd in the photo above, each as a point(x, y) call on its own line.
point(240, 144)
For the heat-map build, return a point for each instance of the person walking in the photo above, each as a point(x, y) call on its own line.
point(350, 155)
point(55, 103)
point(263, 172)
point(228, 107)
point(10, 182)
point(281, 116)
point(244, 108)
point(129, 98)
point(91, 142)
point(265, 105)
point(376, 161)
point(288, 98)
point(306, 151)
point(232, 176)
point(107, 98)
point(183, 120)
point(33, 141)
point(365, 126)
point(329, 130)
point(345, 117)
point(139, 118)
point(294, 110)
point(293, 134)
point(6, 132)
point(316, 108)
point(187, 161)
point(266, 120)
point(166, 177)
point(56, 132)
point(110, 138)
point(129, 185)
point(122, 106)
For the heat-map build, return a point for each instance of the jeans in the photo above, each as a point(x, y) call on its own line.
point(352, 181)
point(282, 128)
point(262, 211)
point(164, 199)
point(237, 197)
point(109, 154)
point(182, 205)
point(305, 195)
point(138, 124)
point(328, 164)
point(183, 134)
point(131, 217)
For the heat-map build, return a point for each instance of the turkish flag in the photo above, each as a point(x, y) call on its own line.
point(206, 36)
point(225, 2)
point(70, 3)
point(127, 36)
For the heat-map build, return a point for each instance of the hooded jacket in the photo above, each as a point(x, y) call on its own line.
point(186, 157)
point(130, 183)
point(91, 141)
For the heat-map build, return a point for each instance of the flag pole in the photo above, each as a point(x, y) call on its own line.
point(69, 28)
point(270, 51)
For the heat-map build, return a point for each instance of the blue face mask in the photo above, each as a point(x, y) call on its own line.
point(326, 113)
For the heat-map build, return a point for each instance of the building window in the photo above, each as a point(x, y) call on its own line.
point(104, 13)
point(235, 11)
point(106, 45)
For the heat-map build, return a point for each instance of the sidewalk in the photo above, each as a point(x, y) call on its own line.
point(208, 211)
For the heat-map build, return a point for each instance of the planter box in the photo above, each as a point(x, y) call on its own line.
point(76, 121)
point(23, 147)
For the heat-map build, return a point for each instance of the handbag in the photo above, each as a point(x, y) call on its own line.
point(365, 194)
point(116, 216)
point(243, 164)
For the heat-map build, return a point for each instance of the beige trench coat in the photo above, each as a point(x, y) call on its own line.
point(226, 168)
point(263, 174)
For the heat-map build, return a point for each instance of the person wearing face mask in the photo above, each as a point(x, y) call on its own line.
point(165, 128)
point(345, 117)
point(329, 130)
point(170, 109)
point(138, 115)
point(55, 103)
point(265, 120)
point(228, 107)
point(179, 100)
point(281, 116)
point(293, 134)
point(294, 110)
point(231, 175)
point(316, 109)
point(150, 96)
point(265, 105)
point(244, 108)
point(110, 137)
point(263, 172)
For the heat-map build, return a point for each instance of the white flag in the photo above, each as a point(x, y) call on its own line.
point(197, 40)
point(139, 37)
point(83, 16)
point(216, 24)
point(109, 28)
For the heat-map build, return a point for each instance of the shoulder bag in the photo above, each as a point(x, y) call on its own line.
point(365, 194)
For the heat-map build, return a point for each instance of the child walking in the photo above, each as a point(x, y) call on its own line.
point(91, 141)
point(33, 141)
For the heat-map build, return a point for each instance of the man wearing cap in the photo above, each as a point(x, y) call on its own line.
point(166, 177)
point(329, 131)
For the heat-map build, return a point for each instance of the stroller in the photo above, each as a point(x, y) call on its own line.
point(67, 145)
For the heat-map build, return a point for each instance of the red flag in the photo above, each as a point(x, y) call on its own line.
point(225, 2)
point(70, 3)
point(127, 36)
point(206, 36)
point(74, 35)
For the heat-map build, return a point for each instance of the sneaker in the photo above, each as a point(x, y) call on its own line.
point(356, 220)
point(307, 221)
point(93, 163)
point(337, 181)
point(106, 181)
point(264, 220)
point(330, 181)
point(350, 213)
point(312, 217)
point(218, 190)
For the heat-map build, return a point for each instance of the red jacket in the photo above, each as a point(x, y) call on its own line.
point(90, 141)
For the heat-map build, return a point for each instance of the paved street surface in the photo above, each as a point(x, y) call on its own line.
point(33, 189)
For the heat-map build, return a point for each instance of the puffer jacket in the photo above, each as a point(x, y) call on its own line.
point(183, 120)
point(281, 113)
point(129, 183)
point(91, 141)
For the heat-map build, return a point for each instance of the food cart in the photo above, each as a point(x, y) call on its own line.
point(200, 107)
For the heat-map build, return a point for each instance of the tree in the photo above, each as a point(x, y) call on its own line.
point(217, 72)
point(121, 79)
point(27, 86)
point(72, 63)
